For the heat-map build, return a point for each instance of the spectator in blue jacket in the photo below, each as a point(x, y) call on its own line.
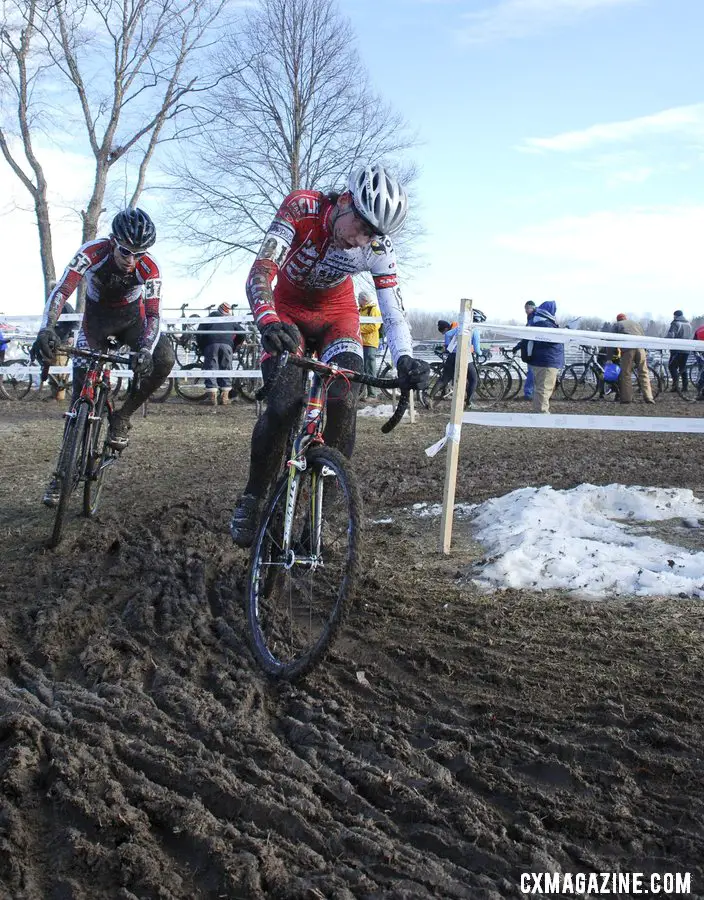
point(545, 358)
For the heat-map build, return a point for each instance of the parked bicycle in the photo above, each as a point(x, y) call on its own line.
point(85, 455)
point(691, 387)
point(581, 381)
point(304, 563)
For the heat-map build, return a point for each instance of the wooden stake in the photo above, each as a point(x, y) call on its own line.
point(464, 333)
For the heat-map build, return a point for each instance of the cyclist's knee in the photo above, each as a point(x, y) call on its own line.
point(163, 357)
point(339, 389)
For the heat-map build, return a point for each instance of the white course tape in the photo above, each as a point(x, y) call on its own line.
point(452, 433)
point(592, 338)
point(588, 423)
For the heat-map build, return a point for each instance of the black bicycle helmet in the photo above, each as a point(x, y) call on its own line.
point(134, 229)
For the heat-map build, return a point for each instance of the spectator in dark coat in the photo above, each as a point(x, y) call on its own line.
point(216, 340)
point(545, 358)
point(681, 330)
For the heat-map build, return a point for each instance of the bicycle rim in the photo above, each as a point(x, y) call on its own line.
point(296, 602)
point(248, 387)
point(163, 392)
point(69, 468)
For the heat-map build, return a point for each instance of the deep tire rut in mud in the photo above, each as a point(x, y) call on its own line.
point(451, 740)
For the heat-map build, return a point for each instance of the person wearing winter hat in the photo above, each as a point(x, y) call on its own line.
point(680, 330)
point(632, 357)
point(216, 341)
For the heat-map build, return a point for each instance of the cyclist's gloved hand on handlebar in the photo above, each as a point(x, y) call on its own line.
point(413, 374)
point(142, 363)
point(278, 337)
point(46, 343)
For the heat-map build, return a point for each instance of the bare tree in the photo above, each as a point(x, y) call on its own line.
point(132, 66)
point(298, 113)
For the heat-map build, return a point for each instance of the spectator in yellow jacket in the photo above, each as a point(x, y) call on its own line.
point(370, 338)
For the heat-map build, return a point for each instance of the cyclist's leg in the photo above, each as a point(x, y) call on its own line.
point(163, 359)
point(341, 424)
point(268, 445)
point(472, 379)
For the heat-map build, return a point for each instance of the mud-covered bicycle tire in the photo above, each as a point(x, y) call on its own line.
point(96, 454)
point(273, 667)
point(199, 392)
point(67, 468)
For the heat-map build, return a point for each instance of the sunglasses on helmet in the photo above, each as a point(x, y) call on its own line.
point(125, 251)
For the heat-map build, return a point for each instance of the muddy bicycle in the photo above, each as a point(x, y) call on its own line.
point(304, 563)
point(85, 454)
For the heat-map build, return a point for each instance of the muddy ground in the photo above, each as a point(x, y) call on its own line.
point(142, 754)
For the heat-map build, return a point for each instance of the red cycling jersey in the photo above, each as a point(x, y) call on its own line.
point(109, 288)
point(314, 288)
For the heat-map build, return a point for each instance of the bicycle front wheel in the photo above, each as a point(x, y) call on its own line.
point(301, 583)
point(579, 382)
point(99, 456)
point(69, 469)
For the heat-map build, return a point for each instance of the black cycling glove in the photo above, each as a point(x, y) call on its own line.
point(413, 374)
point(142, 363)
point(46, 344)
point(278, 337)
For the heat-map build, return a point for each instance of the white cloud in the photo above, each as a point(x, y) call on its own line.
point(522, 18)
point(679, 120)
point(659, 246)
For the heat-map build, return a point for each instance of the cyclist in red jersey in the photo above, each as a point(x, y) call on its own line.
point(123, 295)
point(312, 248)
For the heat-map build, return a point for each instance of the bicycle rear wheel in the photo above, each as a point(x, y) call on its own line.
point(491, 383)
point(68, 472)
point(579, 382)
point(297, 599)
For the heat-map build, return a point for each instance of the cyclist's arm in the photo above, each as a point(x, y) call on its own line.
point(148, 272)
point(265, 268)
point(382, 265)
point(88, 255)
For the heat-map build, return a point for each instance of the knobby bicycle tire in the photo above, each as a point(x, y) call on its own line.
point(96, 454)
point(68, 471)
point(295, 605)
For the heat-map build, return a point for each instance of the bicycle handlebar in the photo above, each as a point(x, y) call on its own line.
point(335, 371)
point(96, 355)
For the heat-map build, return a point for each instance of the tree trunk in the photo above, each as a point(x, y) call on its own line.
point(45, 245)
point(91, 217)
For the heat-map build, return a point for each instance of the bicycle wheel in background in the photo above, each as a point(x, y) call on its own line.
point(16, 380)
point(491, 383)
point(690, 391)
point(191, 389)
point(655, 383)
point(68, 471)
point(296, 601)
point(247, 358)
point(163, 392)
point(579, 382)
point(387, 371)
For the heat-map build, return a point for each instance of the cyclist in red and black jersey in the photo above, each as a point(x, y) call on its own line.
point(312, 248)
point(123, 295)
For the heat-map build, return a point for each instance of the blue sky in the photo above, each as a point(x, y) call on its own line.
point(562, 154)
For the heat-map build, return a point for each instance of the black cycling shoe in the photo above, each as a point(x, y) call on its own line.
point(118, 436)
point(245, 519)
point(52, 494)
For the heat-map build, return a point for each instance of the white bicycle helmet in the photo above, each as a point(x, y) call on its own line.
point(379, 198)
